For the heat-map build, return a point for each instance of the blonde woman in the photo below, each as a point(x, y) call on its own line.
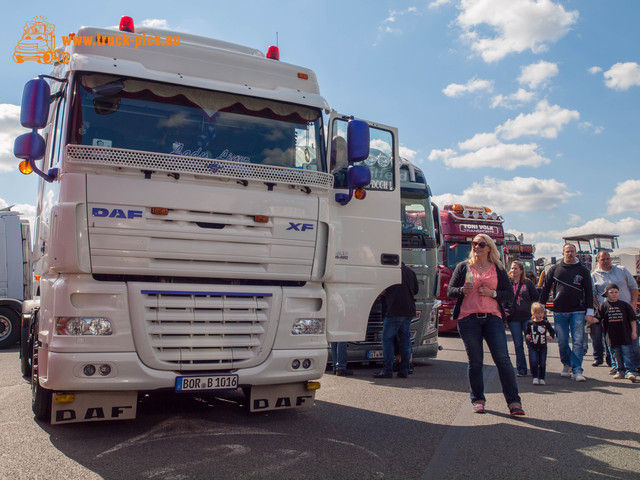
point(481, 285)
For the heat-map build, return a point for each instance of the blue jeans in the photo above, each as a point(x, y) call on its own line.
point(391, 327)
point(473, 330)
point(517, 334)
point(538, 362)
point(597, 339)
point(339, 355)
point(624, 358)
point(570, 324)
point(636, 347)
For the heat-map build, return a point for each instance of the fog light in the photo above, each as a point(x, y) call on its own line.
point(295, 364)
point(104, 370)
point(306, 363)
point(89, 370)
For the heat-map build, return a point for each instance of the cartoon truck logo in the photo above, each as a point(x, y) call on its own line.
point(38, 43)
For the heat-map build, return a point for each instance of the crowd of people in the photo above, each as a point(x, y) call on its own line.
point(489, 300)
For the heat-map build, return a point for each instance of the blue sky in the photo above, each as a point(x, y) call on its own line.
point(531, 107)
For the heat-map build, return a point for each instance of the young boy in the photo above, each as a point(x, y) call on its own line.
point(619, 325)
point(537, 333)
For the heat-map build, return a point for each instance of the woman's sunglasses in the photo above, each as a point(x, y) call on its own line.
point(478, 244)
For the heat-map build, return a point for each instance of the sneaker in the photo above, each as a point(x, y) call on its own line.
point(566, 371)
point(478, 407)
point(618, 376)
point(578, 377)
point(613, 371)
point(597, 363)
point(515, 410)
point(631, 377)
point(542, 381)
point(520, 374)
point(344, 373)
point(536, 381)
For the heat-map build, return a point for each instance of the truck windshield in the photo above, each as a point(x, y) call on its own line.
point(456, 253)
point(414, 215)
point(134, 114)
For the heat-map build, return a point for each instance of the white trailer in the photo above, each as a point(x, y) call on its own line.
point(15, 274)
point(197, 230)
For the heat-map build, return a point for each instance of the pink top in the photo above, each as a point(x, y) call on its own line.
point(474, 302)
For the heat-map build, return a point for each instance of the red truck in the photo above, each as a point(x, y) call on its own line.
point(458, 225)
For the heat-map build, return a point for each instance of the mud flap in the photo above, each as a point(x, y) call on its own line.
point(281, 396)
point(92, 406)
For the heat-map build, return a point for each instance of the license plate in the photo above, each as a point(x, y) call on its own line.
point(206, 382)
point(374, 354)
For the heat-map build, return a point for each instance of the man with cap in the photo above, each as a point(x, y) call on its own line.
point(619, 323)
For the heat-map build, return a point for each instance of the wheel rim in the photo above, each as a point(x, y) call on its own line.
point(5, 327)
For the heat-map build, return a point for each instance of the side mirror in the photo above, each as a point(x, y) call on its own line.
point(358, 176)
point(35, 104)
point(29, 146)
point(357, 140)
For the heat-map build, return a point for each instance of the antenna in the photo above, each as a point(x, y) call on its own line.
point(277, 45)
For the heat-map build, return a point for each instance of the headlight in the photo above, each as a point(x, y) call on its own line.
point(76, 326)
point(308, 326)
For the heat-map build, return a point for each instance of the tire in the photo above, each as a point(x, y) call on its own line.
point(9, 327)
point(40, 396)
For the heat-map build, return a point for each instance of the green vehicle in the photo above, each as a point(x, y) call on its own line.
point(420, 242)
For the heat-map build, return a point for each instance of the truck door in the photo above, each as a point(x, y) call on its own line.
point(364, 239)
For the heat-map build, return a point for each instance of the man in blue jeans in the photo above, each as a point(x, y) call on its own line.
point(572, 305)
point(401, 308)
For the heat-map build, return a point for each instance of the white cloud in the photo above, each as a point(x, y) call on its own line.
point(406, 152)
point(513, 100)
point(394, 15)
point(574, 219)
point(546, 122)
point(538, 74)
point(594, 70)
point(517, 25)
point(10, 128)
point(518, 194)
point(499, 155)
point(479, 140)
point(473, 85)
point(155, 23)
point(626, 198)
point(439, 3)
point(623, 76)
point(590, 128)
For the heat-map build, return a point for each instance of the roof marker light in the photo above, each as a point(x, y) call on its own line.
point(126, 24)
point(273, 53)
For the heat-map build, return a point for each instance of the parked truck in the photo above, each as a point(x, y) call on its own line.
point(15, 274)
point(420, 244)
point(459, 224)
point(197, 230)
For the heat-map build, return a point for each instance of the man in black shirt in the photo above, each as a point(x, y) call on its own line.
point(572, 305)
point(401, 308)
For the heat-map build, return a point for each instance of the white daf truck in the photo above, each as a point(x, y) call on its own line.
point(197, 228)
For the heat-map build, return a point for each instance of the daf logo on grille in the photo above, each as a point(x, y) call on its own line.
point(300, 227)
point(115, 213)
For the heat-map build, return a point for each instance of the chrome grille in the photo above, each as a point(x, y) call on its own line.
point(132, 159)
point(190, 330)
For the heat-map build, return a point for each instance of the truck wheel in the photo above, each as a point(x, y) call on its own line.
point(9, 327)
point(40, 396)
